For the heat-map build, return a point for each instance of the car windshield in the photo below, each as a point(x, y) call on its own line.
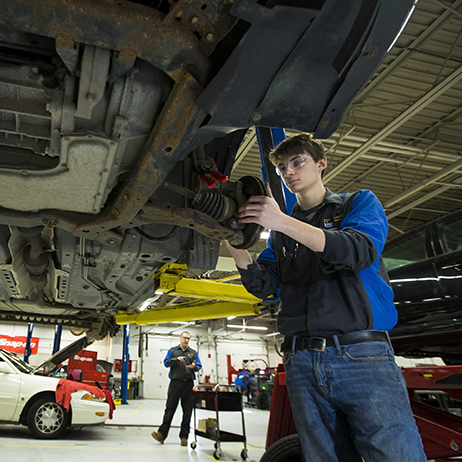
point(19, 363)
point(409, 250)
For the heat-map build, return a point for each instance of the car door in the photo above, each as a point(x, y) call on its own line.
point(10, 385)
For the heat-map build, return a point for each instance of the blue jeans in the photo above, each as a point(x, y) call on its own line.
point(350, 402)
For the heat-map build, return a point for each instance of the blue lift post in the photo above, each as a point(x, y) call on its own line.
point(125, 358)
point(278, 135)
point(57, 338)
point(27, 352)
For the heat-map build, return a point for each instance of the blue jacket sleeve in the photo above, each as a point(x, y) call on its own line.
point(260, 278)
point(168, 359)
point(360, 238)
point(198, 365)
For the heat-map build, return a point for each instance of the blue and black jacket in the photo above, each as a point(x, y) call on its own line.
point(343, 289)
point(178, 369)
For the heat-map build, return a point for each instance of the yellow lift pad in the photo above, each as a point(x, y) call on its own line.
point(212, 299)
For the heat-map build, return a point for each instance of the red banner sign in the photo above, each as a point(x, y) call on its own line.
point(18, 344)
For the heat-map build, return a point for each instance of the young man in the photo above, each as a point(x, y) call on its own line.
point(348, 396)
point(183, 362)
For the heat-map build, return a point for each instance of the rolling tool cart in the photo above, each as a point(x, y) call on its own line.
point(218, 398)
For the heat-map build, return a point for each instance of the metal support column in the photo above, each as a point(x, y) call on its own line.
point(268, 139)
point(125, 358)
point(27, 352)
point(57, 339)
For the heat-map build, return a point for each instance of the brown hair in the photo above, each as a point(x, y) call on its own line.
point(302, 143)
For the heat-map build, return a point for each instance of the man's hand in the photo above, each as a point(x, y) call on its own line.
point(191, 365)
point(263, 210)
point(181, 358)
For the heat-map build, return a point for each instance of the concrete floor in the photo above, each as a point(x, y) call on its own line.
point(127, 437)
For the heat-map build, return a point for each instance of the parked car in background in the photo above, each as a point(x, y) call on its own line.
point(27, 397)
point(425, 269)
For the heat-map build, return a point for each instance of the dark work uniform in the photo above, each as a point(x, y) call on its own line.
point(180, 388)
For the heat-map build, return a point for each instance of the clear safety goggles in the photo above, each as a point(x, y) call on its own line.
point(294, 164)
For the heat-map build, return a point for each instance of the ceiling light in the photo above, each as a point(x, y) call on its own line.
point(247, 327)
point(274, 333)
point(264, 235)
point(231, 317)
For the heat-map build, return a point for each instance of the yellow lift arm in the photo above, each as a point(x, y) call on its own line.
point(212, 299)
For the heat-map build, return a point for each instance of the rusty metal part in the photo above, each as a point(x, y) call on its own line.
point(159, 212)
point(122, 26)
point(209, 24)
point(180, 190)
point(171, 134)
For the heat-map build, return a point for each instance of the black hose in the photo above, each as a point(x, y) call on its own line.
point(169, 236)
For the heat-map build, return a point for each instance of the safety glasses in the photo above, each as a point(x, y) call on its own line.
point(294, 164)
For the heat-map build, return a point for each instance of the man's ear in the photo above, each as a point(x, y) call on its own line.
point(322, 164)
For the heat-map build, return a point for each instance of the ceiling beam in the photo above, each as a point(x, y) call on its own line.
point(424, 101)
point(449, 8)
point(418, 201)
point(410, 51)
point(423, 184)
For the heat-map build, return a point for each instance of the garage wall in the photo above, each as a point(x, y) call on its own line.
point(45, 335)
point(161, 339)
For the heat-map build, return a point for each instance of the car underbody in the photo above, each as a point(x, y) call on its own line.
point(119, 123)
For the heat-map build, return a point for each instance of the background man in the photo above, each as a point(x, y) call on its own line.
point(183, 362)
point(347, 394)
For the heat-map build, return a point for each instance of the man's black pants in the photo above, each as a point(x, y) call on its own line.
point(178, 389)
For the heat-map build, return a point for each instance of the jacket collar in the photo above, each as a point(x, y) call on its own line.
point(329, 198)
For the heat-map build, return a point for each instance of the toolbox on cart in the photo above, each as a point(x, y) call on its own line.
point(218, 398)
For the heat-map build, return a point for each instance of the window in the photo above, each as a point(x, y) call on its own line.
point(450, 234)
point(405, 251)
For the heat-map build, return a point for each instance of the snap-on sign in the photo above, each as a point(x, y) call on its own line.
point(18, 344)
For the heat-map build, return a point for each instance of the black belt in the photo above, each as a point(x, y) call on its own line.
point(320, 343)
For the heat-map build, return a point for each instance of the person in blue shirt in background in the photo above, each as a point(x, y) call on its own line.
point(183, 362)
point(347, 394)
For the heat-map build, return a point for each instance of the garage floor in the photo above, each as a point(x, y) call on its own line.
point(127, 437)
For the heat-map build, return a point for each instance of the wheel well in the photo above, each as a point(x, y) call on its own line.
point(42, 394)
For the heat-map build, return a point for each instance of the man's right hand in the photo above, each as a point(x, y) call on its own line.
point(181, 358)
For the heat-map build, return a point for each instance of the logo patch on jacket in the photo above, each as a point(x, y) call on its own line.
point(330, 223)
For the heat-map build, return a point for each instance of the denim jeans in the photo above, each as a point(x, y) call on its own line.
point(350, 402)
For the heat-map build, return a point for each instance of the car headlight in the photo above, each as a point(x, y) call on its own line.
point(92, 397)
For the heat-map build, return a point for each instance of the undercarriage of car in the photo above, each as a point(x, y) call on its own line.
point(119, 126)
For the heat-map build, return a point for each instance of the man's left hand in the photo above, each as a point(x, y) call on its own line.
point(192, 365)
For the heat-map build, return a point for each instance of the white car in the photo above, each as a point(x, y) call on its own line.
point(27, 398)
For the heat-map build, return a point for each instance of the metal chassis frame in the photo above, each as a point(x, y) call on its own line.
point(133, 31)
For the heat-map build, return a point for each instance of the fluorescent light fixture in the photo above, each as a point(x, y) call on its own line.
point(231, 317)
point(270, 335)
point(234, 326)
point(264, 235)
point(180, 322)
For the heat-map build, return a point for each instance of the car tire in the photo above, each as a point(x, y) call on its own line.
point(46, 419)
point(286, 449)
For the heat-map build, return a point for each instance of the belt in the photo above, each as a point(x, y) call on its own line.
point(320, 343)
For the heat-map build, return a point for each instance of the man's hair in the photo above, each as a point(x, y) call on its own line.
point(185, 332)
point(302, 143)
